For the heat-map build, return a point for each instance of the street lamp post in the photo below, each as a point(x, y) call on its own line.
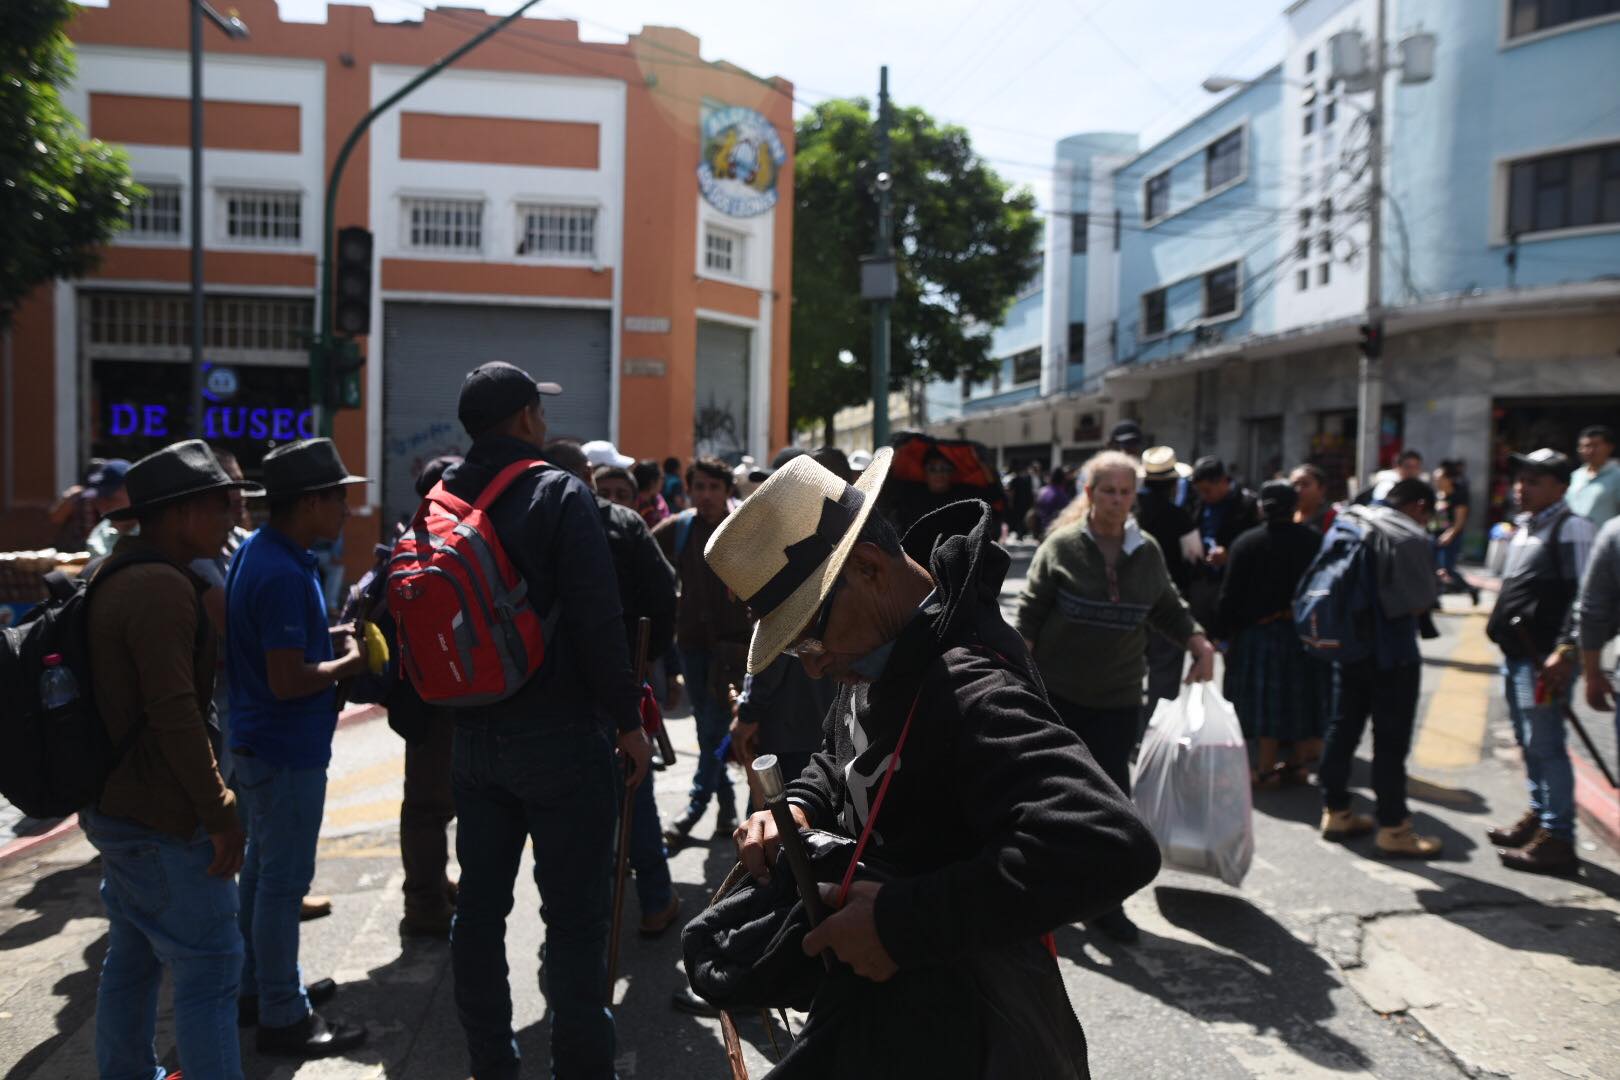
point(879, 276)
point(235, 29)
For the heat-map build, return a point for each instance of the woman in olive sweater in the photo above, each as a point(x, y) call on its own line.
point(1095, 587)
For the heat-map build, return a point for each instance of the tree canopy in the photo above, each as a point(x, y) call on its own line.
point(62, 194)
point(965, 242)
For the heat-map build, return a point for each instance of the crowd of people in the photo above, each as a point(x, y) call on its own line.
point(783, 604)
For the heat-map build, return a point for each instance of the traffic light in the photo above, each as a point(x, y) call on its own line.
point(1372, 340)
point(344, 367)
point(351, 299)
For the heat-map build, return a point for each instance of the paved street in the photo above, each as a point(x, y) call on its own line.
point(1329, 961)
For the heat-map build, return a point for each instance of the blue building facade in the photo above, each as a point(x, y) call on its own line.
point(1212, 285)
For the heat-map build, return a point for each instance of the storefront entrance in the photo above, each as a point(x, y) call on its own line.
point(1520, 425)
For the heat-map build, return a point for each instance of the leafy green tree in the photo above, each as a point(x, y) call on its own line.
point(62, 194)
point(965, 241)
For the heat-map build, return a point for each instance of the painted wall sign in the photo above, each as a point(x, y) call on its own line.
point(742, 156)
point(219, 422)
point(653, 369)
point(646, 324)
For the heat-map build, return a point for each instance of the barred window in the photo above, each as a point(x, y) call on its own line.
point(262, 217)
point(558, 232)
point(1223, 160)
point(157, 216)
point(723, 252)
point(444, 224)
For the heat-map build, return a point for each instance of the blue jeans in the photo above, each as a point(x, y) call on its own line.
point(648, 858)
point(1539, 730)
point(163, 909)
point(556, 787)
point(713, 720)
point(283, 809)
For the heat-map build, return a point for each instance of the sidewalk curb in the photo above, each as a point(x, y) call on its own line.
point(32, 845)
point(1597, 803)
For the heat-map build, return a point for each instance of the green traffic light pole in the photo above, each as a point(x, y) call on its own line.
point(322, 348)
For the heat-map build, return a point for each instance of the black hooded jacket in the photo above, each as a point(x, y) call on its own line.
point(998, 818)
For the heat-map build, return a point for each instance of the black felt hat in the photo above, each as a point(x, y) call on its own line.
point(298, 468)
point(176, 472)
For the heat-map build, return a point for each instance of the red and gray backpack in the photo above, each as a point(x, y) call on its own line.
point(467, 633)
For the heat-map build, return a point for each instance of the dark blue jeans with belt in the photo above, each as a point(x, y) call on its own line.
point(554, 786)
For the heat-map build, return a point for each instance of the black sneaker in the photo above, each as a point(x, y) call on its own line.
point(1116, 926)
point(319, 993)
point(313, 1037)
point(679, 831)
point(726, 824)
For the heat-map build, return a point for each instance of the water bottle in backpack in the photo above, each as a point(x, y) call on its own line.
point(57, 686)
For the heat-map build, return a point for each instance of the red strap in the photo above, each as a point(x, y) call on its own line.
point(877, 804)
point(503, 480)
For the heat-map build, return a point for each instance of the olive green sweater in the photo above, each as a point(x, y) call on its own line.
point(1090, 634)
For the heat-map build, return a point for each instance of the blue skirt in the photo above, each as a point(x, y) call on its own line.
point(1278, 689)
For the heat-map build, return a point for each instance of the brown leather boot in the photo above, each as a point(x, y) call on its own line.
point(1403, 841)
point(1544, 854)
point(1342, 824)
point(1516, 835)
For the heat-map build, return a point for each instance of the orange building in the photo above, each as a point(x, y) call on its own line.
point(616, 218)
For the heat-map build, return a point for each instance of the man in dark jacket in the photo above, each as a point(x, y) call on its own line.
point(1227, 510)
point(1000, 825)
point(646, 590)
point(539, 765)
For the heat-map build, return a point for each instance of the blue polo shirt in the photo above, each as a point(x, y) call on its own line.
point(273, 600)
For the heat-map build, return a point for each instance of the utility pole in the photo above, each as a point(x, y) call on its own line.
point(882, 254)
point(1370, 381)
point(325, 350)
point(235, 29)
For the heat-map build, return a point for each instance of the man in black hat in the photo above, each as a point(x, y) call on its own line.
point(166, 825)
point(284, 668)
point(539, 765)
point(1227, 511)
point(1532, 623)
point(1126, 438)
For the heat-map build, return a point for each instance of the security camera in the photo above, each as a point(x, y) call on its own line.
point(884, 181)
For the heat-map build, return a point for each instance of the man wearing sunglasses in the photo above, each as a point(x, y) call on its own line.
point(996, 821)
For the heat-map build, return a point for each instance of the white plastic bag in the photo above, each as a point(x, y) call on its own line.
point(1192, 785)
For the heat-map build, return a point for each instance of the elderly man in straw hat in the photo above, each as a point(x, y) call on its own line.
point(999, 822)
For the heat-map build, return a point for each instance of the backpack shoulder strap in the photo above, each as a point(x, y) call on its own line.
point(683, 529)
point(505, 479)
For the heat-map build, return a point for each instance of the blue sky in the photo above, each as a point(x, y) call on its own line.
point(1019, 74)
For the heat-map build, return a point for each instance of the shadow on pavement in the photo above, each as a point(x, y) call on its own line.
point(1462, 901)
point(78, 989)
point(56, 899)
point(1276, 984)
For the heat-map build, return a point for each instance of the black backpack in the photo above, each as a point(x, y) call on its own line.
point(56, 762)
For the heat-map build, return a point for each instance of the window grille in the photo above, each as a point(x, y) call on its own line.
point(558, 232)
point(722, 252)
point(1223, 161)
point(269, 218)
point(159, 325)
point(444, 225)
point(157, 216)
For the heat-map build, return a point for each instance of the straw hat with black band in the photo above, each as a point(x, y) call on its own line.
point(178, 471)
point(783, 548)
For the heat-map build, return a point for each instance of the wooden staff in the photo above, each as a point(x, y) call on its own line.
point(626, 815)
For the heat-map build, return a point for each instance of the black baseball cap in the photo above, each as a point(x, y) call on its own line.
point(495, 391)
point(1126, 431)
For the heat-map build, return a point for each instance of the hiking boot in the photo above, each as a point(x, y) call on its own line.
point(314, 907)
point(1518, 834)
point(312, 1037)
point(1403, 841)
point(1116, 926)
point(319, 993)
point(679, 831)
point(1342, 824)
point(1544, 854)
point(655, 924)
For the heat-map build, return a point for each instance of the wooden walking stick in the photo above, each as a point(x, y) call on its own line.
point(627, 814)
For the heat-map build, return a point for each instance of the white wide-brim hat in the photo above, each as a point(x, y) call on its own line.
point(783, 548)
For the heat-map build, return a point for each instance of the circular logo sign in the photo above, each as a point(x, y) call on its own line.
point(742, 155)
point(220, 383)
